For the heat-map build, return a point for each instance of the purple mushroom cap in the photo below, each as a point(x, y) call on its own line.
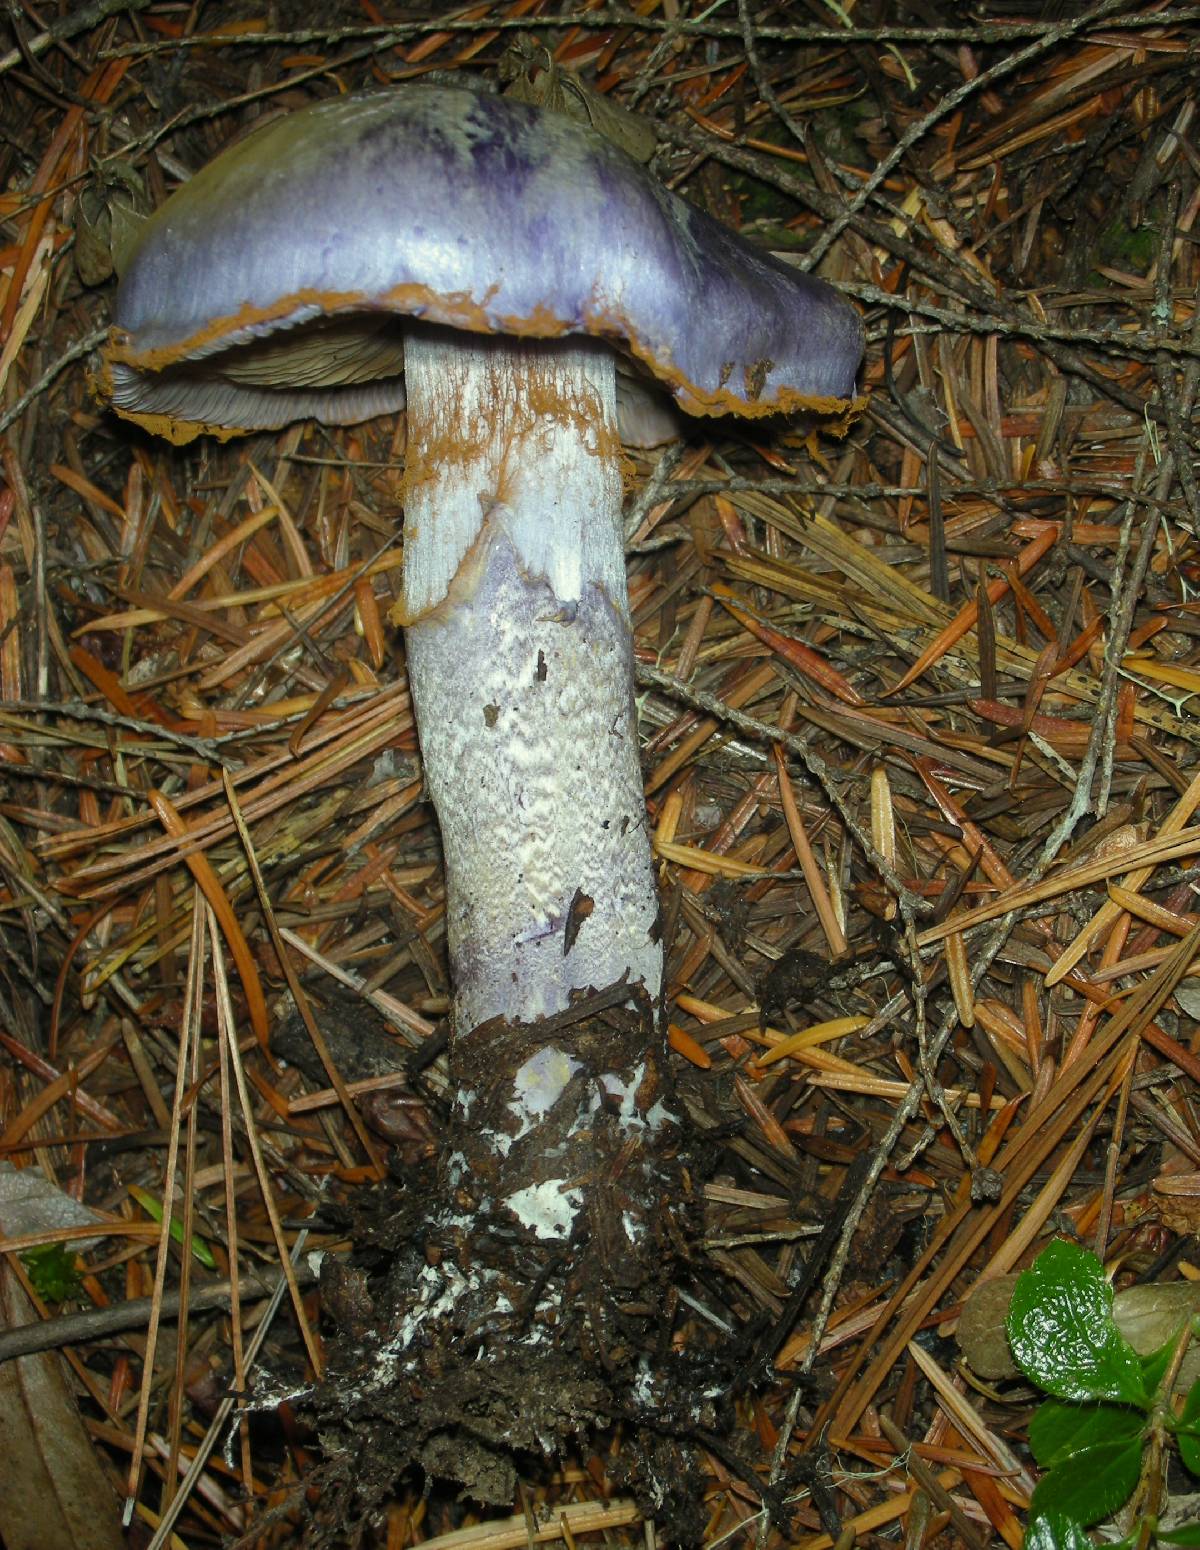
point(276, 283)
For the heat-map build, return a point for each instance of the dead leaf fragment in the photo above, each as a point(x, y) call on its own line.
point(534, 77)
point(54, 1494)
point(1150, 1316)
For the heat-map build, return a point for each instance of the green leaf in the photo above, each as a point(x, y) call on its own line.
point(1053, 1531)
point(1154, 1366)
point(52, 1270)
point(153, 1207)
point(1059, 1429)
point(1188, 1433)
point(1189, 1534)
point(1091, 1484)
point(1062, 1333)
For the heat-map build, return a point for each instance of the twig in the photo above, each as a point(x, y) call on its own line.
point(905, 1110)
point(158, 738)
point(80, 20)
point(1101, 739)
point(929, 1483)
point(657, 488)
point(81, 347)
point(977, 33)
point(1014, 324)
point(99, 1323)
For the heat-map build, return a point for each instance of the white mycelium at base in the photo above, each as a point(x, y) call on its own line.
point(519, 658)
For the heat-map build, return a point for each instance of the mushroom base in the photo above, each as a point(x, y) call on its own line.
point(534, 1310)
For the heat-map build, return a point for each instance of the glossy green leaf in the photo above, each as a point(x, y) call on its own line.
point(1062, 1333)
point(1091, 1484)
point(1053, 1531)
point(1060, 1428)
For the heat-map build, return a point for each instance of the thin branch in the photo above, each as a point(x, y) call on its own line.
point(100, 1323)
point(81, 347)
point(81, 20)
point(971, 33)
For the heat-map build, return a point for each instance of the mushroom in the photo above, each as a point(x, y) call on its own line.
point(486, 260)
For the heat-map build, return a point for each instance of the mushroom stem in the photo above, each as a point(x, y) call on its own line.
point(520, 660)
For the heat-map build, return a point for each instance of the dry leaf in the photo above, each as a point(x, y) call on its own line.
point(1149, 1316)
point(533, 77)
point(29, 1203)
point(54, 1493)
point(109, 216)
point(1177, 1198)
